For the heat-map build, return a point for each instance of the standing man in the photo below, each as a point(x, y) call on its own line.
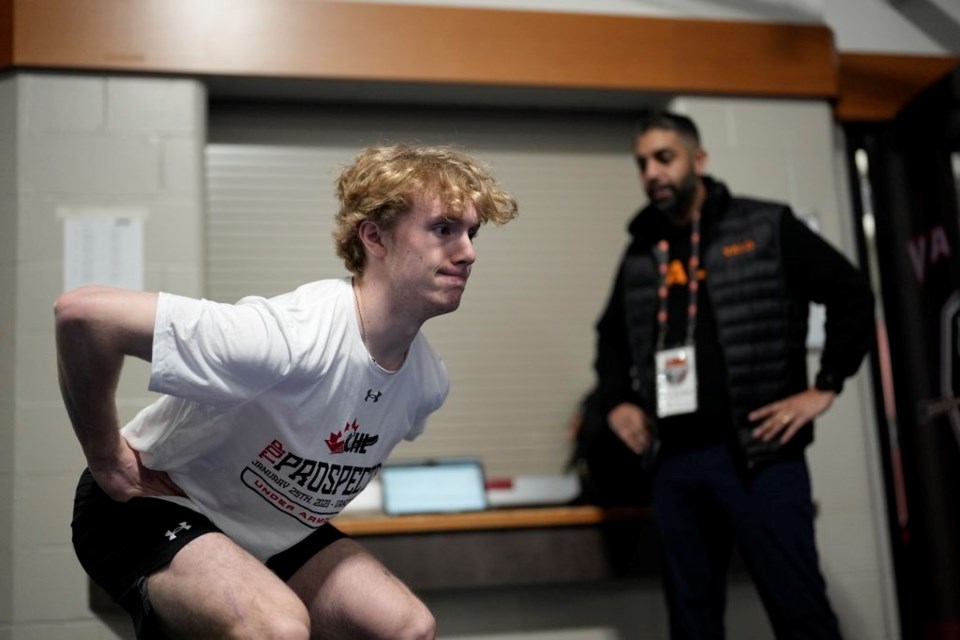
point(701, 364)
point(207, 515)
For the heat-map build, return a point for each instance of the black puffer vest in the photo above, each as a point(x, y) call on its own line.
point(760, 327)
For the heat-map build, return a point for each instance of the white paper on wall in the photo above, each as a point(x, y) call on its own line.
point(102, 245)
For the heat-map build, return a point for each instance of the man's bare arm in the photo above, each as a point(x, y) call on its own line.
point(96, 328)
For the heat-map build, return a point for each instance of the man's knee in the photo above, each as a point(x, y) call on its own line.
point(419, 624)
point(291, 627)
point(277, 628)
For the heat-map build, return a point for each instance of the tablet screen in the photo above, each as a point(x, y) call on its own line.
point(434, 487)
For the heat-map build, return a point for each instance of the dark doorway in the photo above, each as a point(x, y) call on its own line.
point(905, 184)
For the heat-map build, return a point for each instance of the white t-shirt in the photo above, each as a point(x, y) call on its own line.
point(274, 415)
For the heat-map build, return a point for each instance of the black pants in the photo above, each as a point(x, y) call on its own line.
point(703, 506)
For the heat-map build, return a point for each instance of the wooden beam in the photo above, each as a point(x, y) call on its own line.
point(6, 33)
point(406, 43)
point(875, 87)
point(348, 41)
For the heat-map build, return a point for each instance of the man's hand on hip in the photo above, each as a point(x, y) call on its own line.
point(784, 418)
point(124, 477)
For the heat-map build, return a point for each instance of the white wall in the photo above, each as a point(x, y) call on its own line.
point(77, 141)
point(8, 252)
point(883, 25)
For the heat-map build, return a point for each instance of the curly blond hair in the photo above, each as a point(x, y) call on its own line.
point(385, 181)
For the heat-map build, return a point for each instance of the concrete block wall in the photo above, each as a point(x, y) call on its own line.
point(88, 142)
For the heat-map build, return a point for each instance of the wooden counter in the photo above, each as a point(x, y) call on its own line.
point(509, 547)
point(358, 525)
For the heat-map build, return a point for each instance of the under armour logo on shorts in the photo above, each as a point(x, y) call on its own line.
point(172, 535)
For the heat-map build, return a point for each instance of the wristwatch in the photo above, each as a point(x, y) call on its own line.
point(827, 381)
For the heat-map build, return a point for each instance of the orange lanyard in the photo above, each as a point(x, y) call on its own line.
point(662, 253)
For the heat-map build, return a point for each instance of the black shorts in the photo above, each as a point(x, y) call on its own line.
point(120, 544)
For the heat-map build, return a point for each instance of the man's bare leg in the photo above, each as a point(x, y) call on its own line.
point(215, 589)
point(351, 595)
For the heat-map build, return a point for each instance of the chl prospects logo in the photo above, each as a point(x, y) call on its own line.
point(350, 440)
point(311, 491)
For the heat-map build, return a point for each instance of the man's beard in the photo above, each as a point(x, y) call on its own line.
point(677, 206)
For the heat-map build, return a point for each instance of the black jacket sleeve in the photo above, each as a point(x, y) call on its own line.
point(614, 362)
point(815, 271)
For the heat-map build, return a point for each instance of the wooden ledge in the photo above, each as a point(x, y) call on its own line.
point(528, 518)
point(875, 87)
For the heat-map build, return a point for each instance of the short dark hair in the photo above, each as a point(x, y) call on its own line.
point(660, 119)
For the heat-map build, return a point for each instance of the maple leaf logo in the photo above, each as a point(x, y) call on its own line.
point(336, 442)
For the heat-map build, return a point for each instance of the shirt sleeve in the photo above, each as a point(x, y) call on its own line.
point(434, 383)
point(436, 402)
point(818, 272)
point(217, 353)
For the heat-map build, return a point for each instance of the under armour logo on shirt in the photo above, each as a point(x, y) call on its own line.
point(372, 396)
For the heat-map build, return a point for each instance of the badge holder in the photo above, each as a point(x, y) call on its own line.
point(676, 381)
